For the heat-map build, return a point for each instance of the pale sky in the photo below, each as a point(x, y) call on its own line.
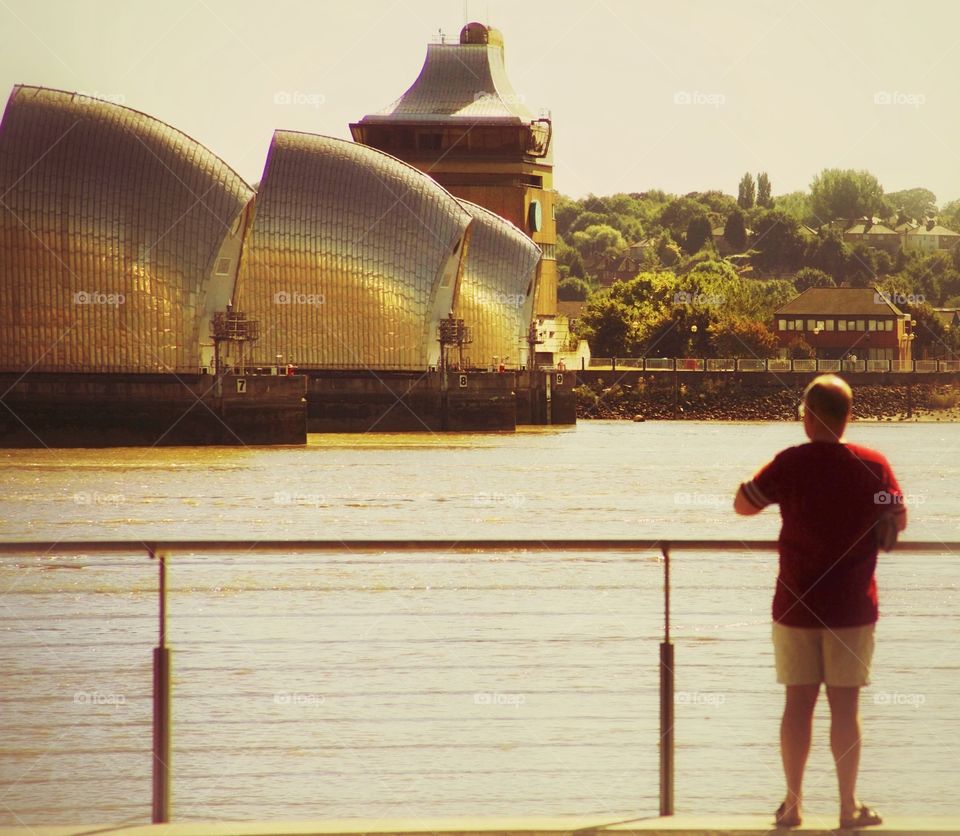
point(680, 95)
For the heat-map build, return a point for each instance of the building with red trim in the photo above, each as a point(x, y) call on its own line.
point(848, 323)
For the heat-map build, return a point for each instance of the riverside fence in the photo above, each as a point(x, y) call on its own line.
point(166, 554)
point(699, 364)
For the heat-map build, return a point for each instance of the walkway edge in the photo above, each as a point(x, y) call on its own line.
point(718, 825)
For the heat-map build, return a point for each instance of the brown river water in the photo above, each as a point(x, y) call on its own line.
point(405, 684)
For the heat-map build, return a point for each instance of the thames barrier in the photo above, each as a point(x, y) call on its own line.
point(402, 281)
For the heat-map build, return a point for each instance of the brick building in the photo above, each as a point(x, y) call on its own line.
point(845, 323)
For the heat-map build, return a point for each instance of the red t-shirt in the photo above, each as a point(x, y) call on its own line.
point(830, 497)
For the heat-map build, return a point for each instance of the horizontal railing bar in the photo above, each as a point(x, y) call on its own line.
point(181, 547)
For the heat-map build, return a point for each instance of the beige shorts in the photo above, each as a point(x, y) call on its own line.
point(809, 655)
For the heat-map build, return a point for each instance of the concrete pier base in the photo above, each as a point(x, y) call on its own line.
point(546, 398)
point(124, 410)
point(366, 401)
point(467, 401)
point(121, 410)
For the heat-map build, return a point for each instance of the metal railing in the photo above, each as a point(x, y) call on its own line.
point(162, 551)
point(744, 364)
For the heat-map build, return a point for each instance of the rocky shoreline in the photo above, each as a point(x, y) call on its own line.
point(926, 402)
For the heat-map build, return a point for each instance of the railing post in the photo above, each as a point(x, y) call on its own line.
point(666, 696)
point(161, 705)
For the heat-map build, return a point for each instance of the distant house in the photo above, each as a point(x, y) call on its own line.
point(930, 237)
point(845, 323)
point(633, 261)
point(721, 243)
point(925, 238)
point(842, 224)
point(876, 235)
point(724, 247)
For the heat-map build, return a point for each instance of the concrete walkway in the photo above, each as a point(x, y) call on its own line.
point(526, 826)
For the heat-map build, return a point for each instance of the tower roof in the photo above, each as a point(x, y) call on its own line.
point(465, 81)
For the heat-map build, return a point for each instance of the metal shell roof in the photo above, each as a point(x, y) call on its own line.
point(110, 223)
point(459, 82)
point(497, 288)
point(351, 259)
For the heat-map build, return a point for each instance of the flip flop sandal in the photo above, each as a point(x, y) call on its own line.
point(785, 819)
point(865, 817)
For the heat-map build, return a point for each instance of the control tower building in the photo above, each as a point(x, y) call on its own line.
point(462, 123)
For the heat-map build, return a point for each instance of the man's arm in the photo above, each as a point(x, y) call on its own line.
point(751, 498)
point(900, 518)
point(744, 506)
point(898, 509)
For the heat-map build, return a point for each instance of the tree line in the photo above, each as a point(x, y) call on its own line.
point(660, 248)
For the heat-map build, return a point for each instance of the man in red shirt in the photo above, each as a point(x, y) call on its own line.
point(837, 501)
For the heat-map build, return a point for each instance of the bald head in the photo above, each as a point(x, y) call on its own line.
point(828, 400)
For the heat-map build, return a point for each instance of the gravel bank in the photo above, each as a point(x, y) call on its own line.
point(733, 403)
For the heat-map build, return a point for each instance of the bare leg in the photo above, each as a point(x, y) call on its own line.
point(796, 729)
point(845, 742)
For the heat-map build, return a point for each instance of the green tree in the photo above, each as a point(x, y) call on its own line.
point(742, 337)
point(716, 201)
point(798, 205)
point(932, 338)
point(587, 218)
point(930, 276)
point(811, 277)
point(950, 216)
point(764, 199)
point(676, 215)
point(567, 211)
point(747, 192)
point(800, 349)
point(914, 203)
point(698, 233)
point(647, 293)
point(901, 261)
point(610, 327)
point(573, 290)
point(668, 253)
point(949, 285)
point(884, 262)
point(599, 245)
point(735, 231)
point(777, 241)
point(757, 300)
point(862, 266)
point(569, 260)
point(620, 211)
point(845, 193)
point(680, 331)
point(828, 253)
